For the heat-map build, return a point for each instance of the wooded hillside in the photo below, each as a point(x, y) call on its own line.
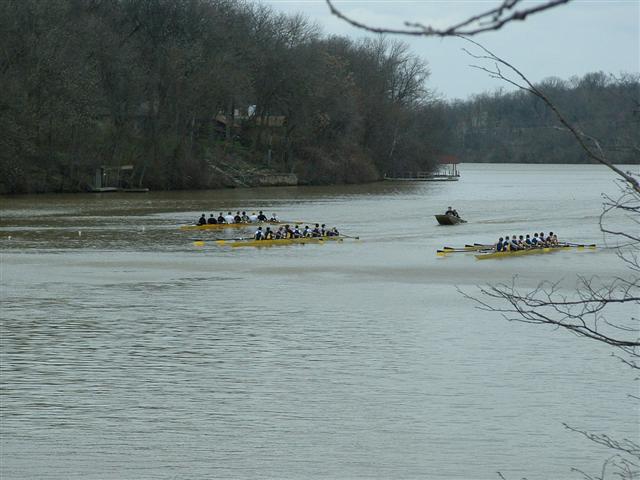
point(185, 90)
point(517, 127)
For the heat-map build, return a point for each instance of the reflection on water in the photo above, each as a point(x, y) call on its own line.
point(128, 352)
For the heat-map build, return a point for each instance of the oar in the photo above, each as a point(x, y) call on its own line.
point(446, 251)
point(222, 241)
point(216, 239)
point(348, 236)
point(455, 250)
point(580, 245)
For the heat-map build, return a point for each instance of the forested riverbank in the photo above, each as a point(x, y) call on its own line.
point(202, 94)
point(171, 94)
point(517, 127)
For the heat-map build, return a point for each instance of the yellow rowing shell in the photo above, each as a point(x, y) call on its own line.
point(531, 251)
point(217, 226)
point(282, 241)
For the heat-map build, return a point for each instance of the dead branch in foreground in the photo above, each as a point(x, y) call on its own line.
point(489, 20)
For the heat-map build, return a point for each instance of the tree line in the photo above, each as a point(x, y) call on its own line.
point(178, 87)
point(518, 127)
point(187, 92)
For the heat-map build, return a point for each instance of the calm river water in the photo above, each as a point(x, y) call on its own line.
point(129, 353)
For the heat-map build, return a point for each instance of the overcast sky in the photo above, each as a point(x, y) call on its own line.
point(580, 37)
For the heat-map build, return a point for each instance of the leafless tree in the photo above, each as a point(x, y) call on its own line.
point(493, 19)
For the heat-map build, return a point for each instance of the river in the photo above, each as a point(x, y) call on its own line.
point(129, 352)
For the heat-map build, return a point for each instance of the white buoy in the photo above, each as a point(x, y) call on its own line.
point(79, 233)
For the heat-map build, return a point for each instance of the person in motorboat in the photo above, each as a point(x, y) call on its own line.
point(262, 217)
point(202, 220)
point(237, 218)
point(221, 218)
point(273, 218)
point(212, 220)
point(259, 235)
point(451, 212)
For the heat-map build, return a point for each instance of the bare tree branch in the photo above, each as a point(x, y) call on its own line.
point(493, 19)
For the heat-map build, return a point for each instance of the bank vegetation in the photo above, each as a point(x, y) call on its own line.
point(201, 94)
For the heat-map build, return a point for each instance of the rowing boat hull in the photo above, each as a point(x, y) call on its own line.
point(283, 241)
point(518, 253)
point(449, 220)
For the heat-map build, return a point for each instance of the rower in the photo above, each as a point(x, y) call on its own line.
point(534, 240)
point(259, 235)
point(202, 220)
point(268, 234)
point(253, 217)
point(280, 233)
point(323, 230)
point(544, 240)
point(288, 233)
point(296, 232)
point(262, 217)
point(335, 232)
point(221, 218)
point(306, 232)
point(316, 231)
point(212, 220)
point(237, 218)
point(273, 218)
point(229, 218)
point(499, 245)
point(528, 241)
point(245, 217)
point(553, 238)
point(521, 242)
point(514, 243)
